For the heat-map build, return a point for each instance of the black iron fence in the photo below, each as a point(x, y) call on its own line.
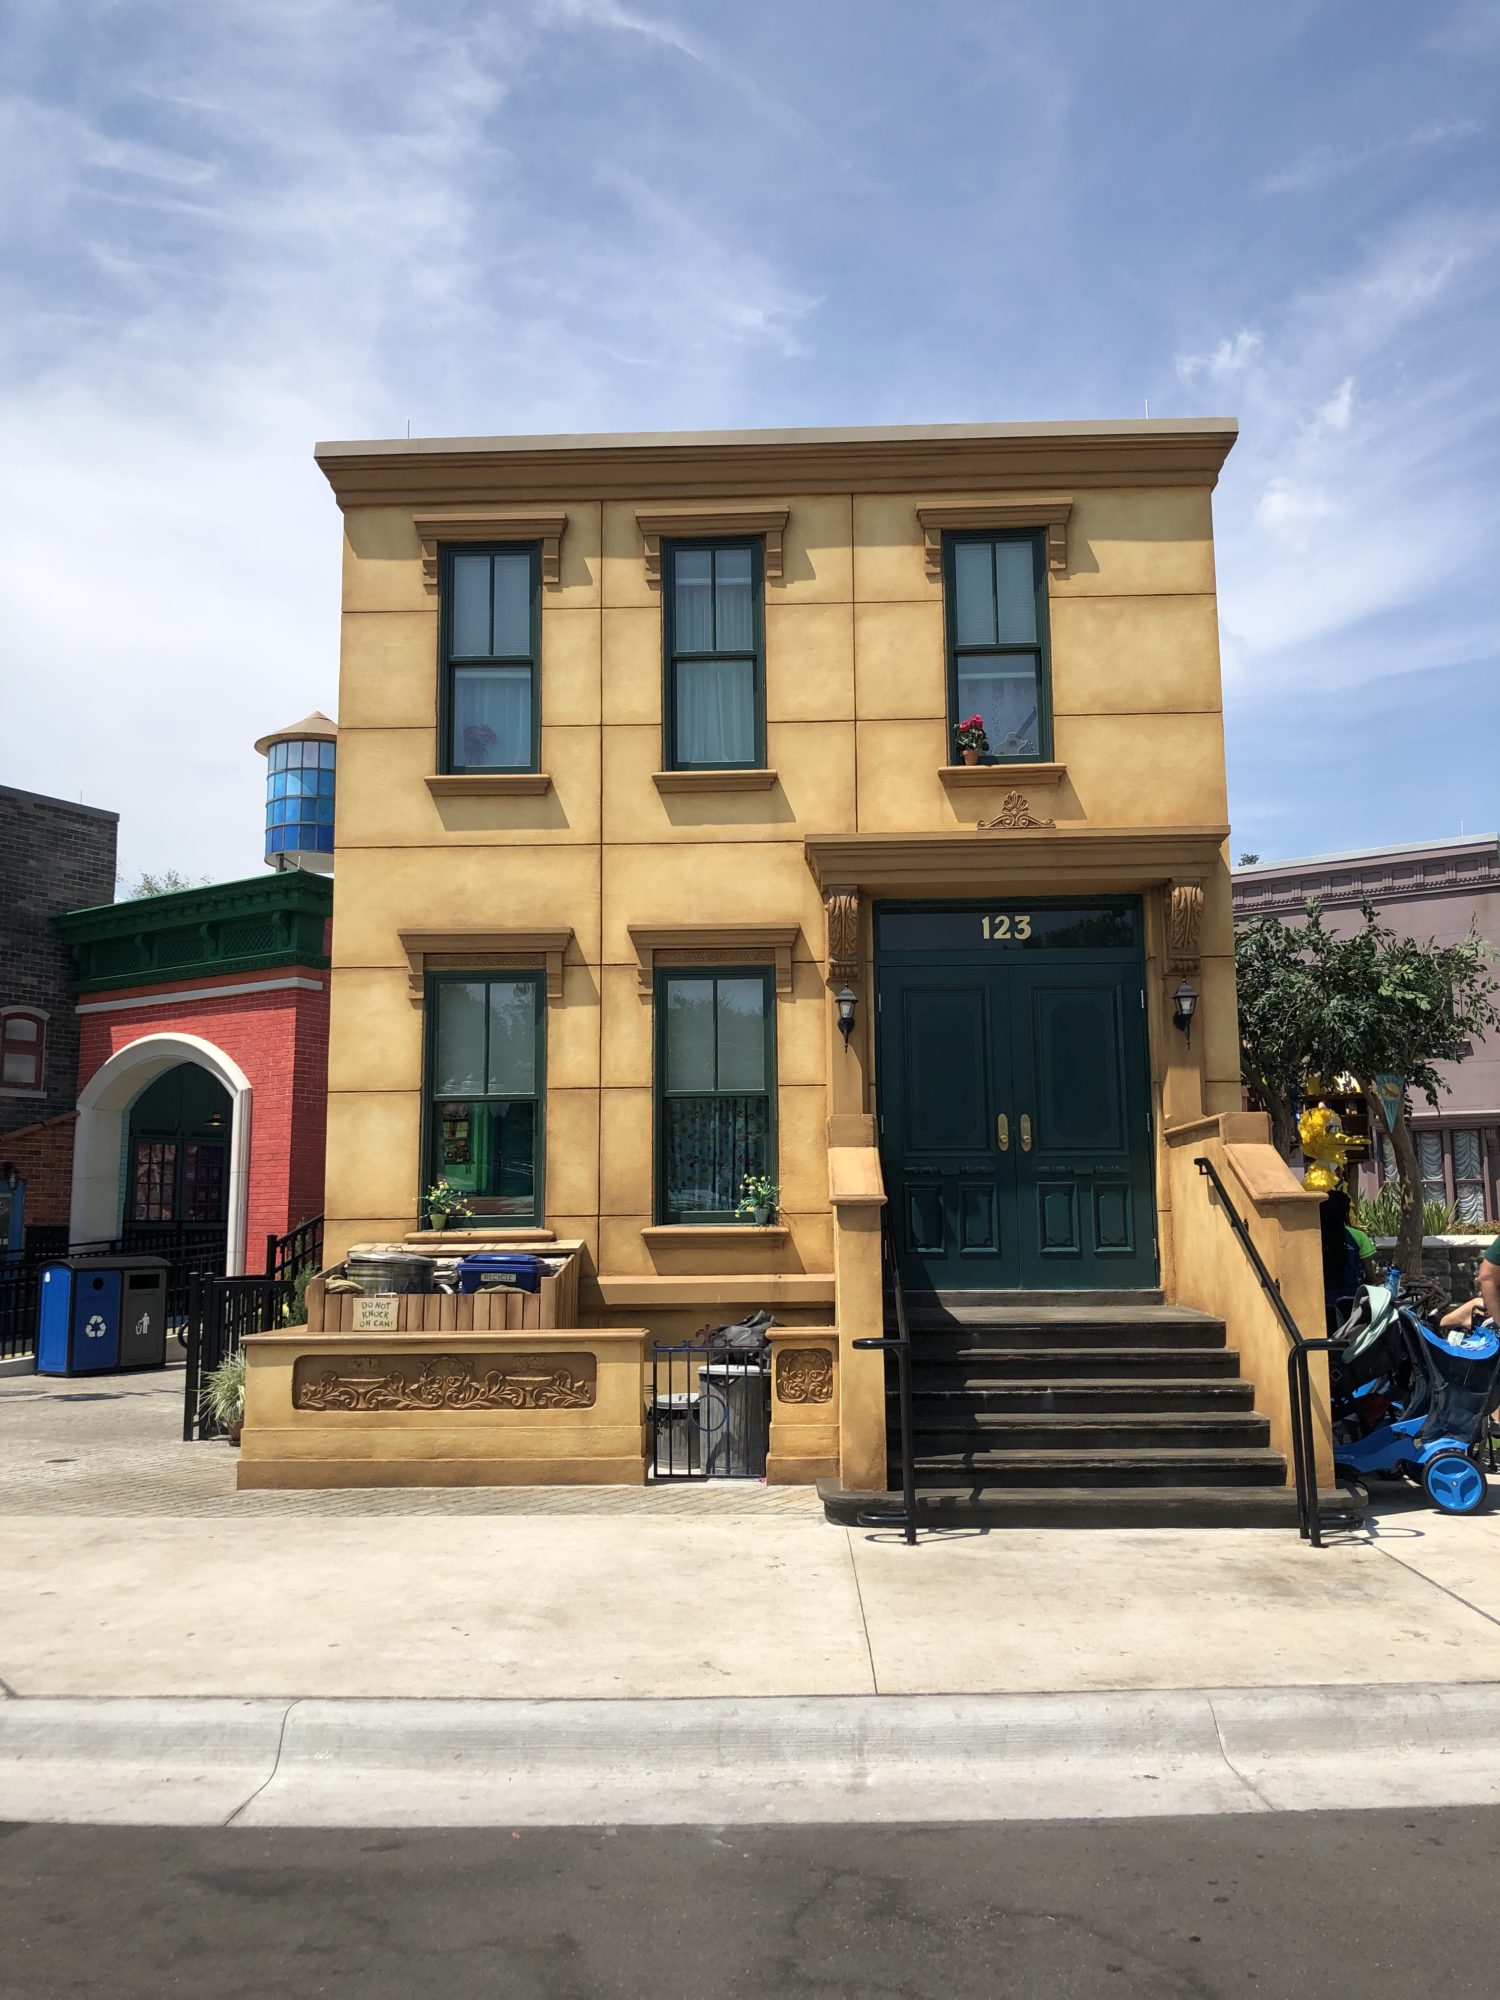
point(221, 1313)
point(710, 1411)
point(18, 1286)
point(301, 1249)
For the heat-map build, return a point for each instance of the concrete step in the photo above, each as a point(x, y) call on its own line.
point(978, 1365)
point(1073, 1507)
point(1102, 1466)
point(1101, 1398)
point(1027, 1301)
point(1073, 1330)
point(1139, 1431)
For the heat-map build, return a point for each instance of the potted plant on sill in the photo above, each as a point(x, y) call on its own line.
point(971, 739)
point(758, 1198)
point(222, 1397)
point(444, 1204)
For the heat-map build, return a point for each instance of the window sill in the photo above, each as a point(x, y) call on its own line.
point(22, 1090)
point(676, 1235)
point(713, 781)
point(488, 784)
point(959, 775)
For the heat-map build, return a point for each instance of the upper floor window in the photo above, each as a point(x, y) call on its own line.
point(715, 1089)
point(485, 1090)
point(995, 591)
point(23, 1048)
point(490, 646)
point(715, 706)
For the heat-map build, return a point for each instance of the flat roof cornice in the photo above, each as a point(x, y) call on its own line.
point(931, 457)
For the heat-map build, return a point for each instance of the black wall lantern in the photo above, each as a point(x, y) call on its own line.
point(846, 1005)
point(1184, 1006)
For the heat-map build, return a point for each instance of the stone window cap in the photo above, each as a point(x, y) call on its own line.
point(674, 525)
point(1018, 510)
point(714, 944)
point(486, 951)
point(433, 530)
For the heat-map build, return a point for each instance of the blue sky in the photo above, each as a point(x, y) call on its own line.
point(230, 229)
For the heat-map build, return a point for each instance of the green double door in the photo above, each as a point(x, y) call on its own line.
point(1014, 1092)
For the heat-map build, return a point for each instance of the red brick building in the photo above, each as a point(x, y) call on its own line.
point(203, 1063)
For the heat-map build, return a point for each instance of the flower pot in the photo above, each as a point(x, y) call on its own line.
point(762, 1215)
point(438, 1219)
point(233, 1433)
point(970, 756)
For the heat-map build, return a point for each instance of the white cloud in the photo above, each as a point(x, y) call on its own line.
point(1325, 163)
point(1230, 358)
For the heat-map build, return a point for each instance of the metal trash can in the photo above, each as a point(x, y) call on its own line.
point(674, 1419)
point(734, 1417)
point(97, 1315)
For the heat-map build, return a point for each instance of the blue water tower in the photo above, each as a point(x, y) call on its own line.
point(301, 764)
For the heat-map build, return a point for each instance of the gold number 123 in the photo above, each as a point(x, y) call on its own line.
point(999, 930)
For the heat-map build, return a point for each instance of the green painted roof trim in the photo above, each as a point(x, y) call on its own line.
point(253, 926)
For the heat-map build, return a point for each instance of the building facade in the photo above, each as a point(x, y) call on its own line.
point(202, 1066)
point(53, 855)
point(660, 867)
point(1435, 890)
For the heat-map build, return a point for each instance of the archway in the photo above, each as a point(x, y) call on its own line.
point(100, 1137)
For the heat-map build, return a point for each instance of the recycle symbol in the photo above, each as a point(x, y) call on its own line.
point(96, 1327)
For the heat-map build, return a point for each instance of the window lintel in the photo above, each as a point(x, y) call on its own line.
point(714, 944)
point(433, 530)
point(1021, 510)
point(481, 950)
point(713, 522)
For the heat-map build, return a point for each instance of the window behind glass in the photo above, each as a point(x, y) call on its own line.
point(716, 1090)
point(715, 694)
point(996, 603)
point(485, 1090)
point(490, 636)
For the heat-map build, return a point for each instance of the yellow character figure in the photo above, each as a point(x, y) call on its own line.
point(1326, 1144)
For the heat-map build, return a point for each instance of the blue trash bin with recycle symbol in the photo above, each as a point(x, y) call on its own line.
point(99, 1314)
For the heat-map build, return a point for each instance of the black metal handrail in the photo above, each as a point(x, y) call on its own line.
point(286, 1255)
point(900, 1346)
point(1310, 1518)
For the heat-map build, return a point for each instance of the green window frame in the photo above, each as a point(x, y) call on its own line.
point(999, 645)
point(715, 1088)
point(484, 1097)
point(714, 650)
point(490, 642)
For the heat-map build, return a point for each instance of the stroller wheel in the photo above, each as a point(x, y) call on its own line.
point(1454, 1483)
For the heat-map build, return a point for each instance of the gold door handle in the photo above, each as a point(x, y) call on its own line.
point(1025, 1132)
point(1002, 1132)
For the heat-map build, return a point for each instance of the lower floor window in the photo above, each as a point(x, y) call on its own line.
point(716, 1077)
point(484, 1070)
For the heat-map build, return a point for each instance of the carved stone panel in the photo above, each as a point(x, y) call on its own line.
point(842, 906)
point(1015, 813)
point(445, 1382)
point(1184, 925)
point(804, 1375)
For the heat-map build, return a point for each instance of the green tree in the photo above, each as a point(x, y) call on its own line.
point(1247, 860)
point(1370, 1004)
point(165, 884)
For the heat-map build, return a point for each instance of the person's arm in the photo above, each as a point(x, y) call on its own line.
point(1489, 1283)
point(1458, 1319)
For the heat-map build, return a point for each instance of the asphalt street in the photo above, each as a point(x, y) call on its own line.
point(1326, 1906)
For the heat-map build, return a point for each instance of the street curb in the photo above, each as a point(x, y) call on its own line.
point(710, 1762)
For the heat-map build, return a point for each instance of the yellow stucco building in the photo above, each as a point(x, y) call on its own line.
point(650, 750)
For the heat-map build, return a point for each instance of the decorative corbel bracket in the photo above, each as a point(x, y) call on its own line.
point(1022, 510)
point(769, 522)
point(433, 530)
point(842, 906)
point(1184, 925)
point(485, 951)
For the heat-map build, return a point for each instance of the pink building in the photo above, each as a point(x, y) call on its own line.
point(1437, 889)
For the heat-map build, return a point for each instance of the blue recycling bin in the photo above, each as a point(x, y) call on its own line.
point(99, 1314)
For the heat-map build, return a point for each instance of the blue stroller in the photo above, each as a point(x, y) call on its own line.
point(1412, 1401)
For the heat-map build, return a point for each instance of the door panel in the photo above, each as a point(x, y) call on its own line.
point(946, 1074)
point(1080, 1057)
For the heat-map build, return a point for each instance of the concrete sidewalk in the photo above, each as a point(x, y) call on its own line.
point(130, 1568)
